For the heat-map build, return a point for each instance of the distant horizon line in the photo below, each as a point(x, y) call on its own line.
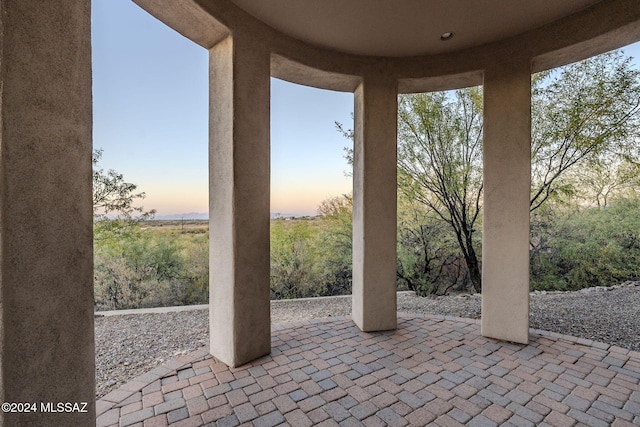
point(205, 216)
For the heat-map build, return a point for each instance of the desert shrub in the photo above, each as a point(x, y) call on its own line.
point(572, 246)
point(586, 246)
point(196, 269)
point(136, 266)
point(335, 242)
point(312, 256)
point(293, 274)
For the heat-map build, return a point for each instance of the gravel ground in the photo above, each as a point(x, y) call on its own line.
point(129, 345)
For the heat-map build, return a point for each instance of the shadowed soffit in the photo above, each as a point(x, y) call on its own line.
point(331, 44)
point(396, 28)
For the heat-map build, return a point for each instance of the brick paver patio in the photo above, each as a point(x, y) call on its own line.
point(432, 370)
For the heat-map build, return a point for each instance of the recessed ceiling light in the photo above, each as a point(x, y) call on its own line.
point(446, 36)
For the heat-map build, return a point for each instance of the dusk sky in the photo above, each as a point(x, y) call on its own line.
point(150, 97)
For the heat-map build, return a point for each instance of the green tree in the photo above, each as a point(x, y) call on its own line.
point(113, 196)
point(600, 181)
point(584, 114)
point(130, 268)
point(429, 261)
point(584, 118)
point(440, 162)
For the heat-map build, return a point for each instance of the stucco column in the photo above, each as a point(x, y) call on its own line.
point(507, 181)
point(375, 205)
point(239, 162)
point(46, 225)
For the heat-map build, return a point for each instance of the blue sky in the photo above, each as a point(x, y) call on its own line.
point(150, 90)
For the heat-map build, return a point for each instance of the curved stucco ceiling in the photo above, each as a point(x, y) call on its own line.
point(332, 44)
point(395, 28)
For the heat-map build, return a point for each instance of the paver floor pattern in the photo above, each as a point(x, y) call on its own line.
point(432, 370)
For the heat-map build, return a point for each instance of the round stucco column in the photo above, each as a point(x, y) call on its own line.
point(507, 183)
point(239, 163)
point(375, 205)
point(46, 216)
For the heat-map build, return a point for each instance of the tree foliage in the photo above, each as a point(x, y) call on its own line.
point(440, 162)
point(293, 273)
point(312, 256)
point(579, 246)
point(601, 181)
point(336, 244)
point(134, 267)
point(585, 114)
point(585, 121)
point(429, 261)
point(113, 196)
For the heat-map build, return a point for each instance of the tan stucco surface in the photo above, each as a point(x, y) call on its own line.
point(46, 265)
point(239, 201)
point(603, 26)
point(374, 205)
point(507, 183)
point(406, 27)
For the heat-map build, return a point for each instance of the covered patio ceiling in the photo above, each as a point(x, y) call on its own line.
point(407, 27)
point(329, 44)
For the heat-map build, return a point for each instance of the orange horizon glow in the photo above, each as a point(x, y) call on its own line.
point(302, 198)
